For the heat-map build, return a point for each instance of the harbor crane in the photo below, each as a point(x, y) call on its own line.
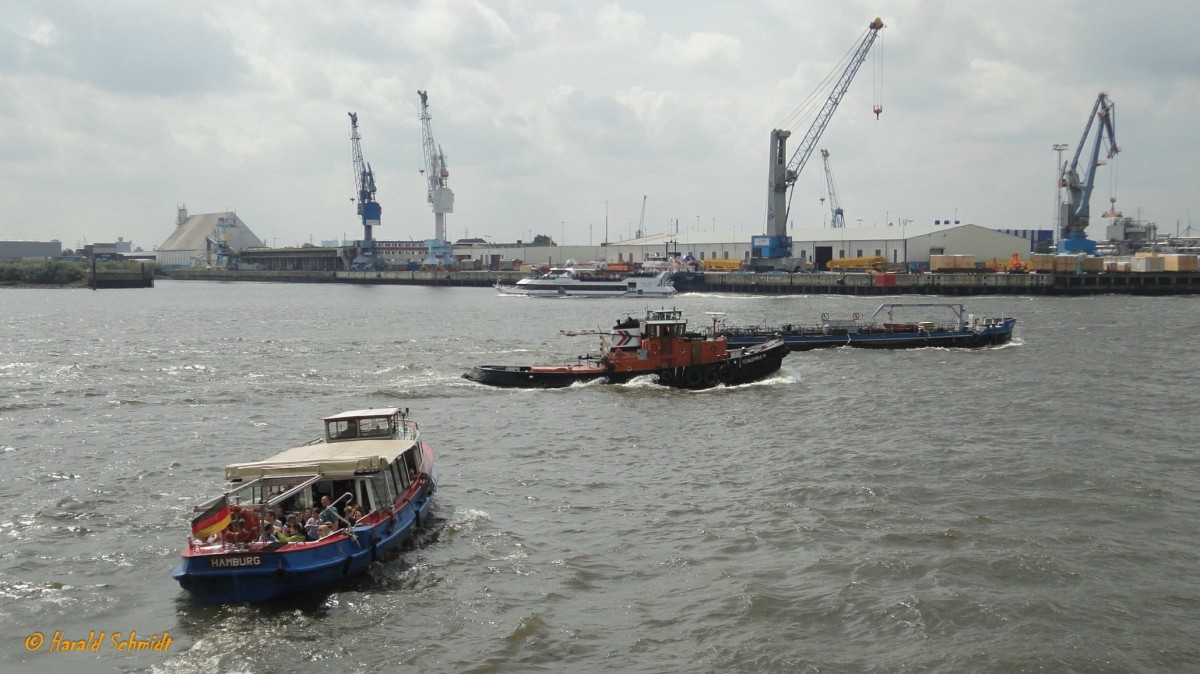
point(776, 246)
point(439, 196)
point(368, 257)
point(839, 216)
point(1076, 213)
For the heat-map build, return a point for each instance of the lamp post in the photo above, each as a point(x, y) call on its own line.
point(1058, 148)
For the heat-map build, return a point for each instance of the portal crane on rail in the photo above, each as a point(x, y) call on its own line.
point(776, 245)
point(368, 257)
point(839, 216)
point(1076, 210)
point(439, 195)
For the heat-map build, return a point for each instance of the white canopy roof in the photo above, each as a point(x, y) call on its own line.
point(333, 459)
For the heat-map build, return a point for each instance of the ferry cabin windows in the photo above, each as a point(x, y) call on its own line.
point(400, 474)
point(341, 429)
point(382, 488)
point(375, 427)
point(410, 459)
point(365, 427)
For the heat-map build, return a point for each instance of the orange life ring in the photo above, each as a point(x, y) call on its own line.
point(248, 531)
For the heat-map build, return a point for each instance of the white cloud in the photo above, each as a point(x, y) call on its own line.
point(43, 33)
point(112, 113)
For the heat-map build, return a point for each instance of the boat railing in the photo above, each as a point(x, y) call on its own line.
point(409, 429)
point(958, 310)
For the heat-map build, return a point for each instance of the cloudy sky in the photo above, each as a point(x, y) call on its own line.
point(553, 113)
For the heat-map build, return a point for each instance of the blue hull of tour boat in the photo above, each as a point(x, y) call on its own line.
point(257, 575)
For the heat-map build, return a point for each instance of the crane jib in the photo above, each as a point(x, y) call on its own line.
point(782, 177)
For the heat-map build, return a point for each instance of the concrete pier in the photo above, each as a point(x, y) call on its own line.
point(955, 284)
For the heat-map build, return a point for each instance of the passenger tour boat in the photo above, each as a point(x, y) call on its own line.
point(359, 492)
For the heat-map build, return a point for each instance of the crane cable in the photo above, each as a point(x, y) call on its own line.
point(821, 93)
point(877, 78)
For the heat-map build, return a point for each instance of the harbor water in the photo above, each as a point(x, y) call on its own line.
point(1028, 508)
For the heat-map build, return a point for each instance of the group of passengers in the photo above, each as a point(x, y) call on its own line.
point(310, 524)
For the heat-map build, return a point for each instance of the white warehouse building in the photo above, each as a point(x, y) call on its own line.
point(904, 246)
point(898, 245)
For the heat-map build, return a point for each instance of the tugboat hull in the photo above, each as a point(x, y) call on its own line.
point(741, 366)
point(532, 376)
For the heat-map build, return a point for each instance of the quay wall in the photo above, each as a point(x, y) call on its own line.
point(955, 284)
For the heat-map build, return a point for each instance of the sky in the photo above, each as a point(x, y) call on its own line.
point(580, 120)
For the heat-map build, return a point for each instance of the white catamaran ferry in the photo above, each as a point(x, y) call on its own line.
point(581, 282)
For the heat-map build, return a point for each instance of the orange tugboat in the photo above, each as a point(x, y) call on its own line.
point(657, 345)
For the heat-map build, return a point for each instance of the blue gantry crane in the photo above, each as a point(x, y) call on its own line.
point(368, 257)
point(775, 247)
point(1076, 209)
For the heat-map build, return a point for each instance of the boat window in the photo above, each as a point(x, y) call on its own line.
point(384, 491)
point(361, 486)
point(371, 427)
point(341, 429)
point(399, 475)
point(410, 458)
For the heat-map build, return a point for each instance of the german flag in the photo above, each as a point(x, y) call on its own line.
point(213, 520)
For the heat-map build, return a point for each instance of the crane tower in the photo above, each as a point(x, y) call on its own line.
point(1076, 209)
point(776, 244)
point(839, 216)
point(368, 255)
point(440, 196)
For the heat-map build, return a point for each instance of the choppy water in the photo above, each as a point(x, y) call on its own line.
point(1033, 507)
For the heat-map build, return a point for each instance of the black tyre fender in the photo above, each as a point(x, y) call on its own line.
point(725, 373)
point(693, 376)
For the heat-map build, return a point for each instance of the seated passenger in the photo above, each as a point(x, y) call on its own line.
point(292, 534)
